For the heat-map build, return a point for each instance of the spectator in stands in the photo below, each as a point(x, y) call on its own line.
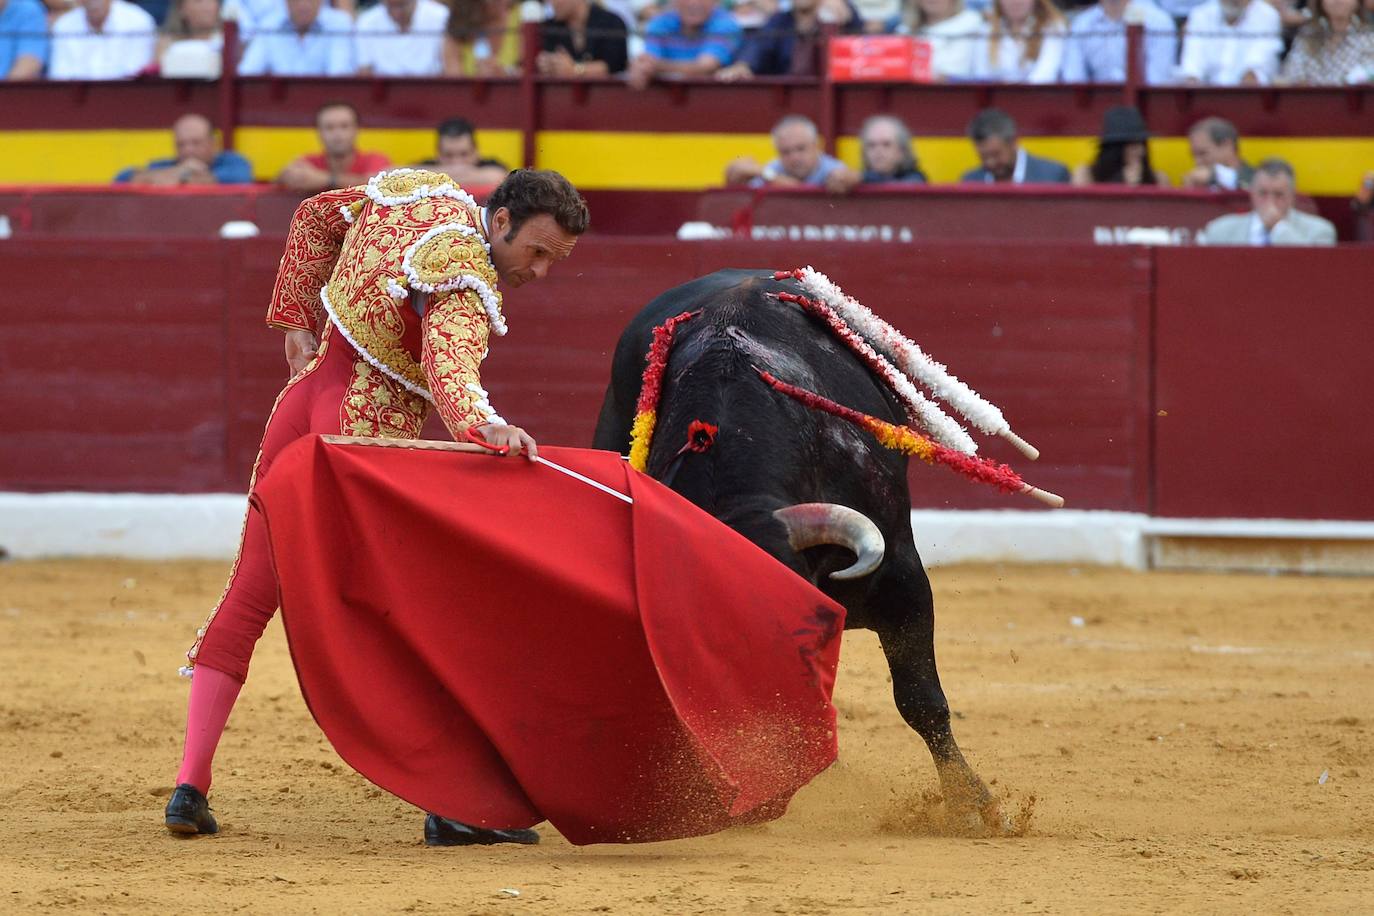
point(341, 164)
point(801, 162)
point(256, 15)
point(1361, 204)
point(1231, 43)
point(752, 14)
point(198, 159)
point(880, 15)
point(694, 38)
point(192, 40)
point(955, 34)
point(102, 40)
point(23, 39)
point(1216, 157)
point(483, 38)
point(1336, 47)
point(1272, 219)
point(1123, 152)
point(459, 159)
point(1024, 43)
point(1097, 43)
point(789, 43)
point(582, 39)
point(310, 40)
point(401, 38)
point(993, 133)
point(887, 154)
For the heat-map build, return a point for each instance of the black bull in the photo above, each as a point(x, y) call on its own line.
point(771, 452)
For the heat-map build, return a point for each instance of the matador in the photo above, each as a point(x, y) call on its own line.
point(388, 295)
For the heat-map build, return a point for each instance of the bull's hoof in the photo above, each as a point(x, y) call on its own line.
point(188, 812)
point(441, 831)
point(971, 808)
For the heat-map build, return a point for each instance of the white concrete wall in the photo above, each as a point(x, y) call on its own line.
point(159, 526)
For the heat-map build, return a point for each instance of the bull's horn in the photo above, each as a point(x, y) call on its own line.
point(813, 524)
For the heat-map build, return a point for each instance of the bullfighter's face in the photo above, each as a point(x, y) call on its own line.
point(528, 253)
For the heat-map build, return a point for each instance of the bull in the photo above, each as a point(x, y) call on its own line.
point(807, 487)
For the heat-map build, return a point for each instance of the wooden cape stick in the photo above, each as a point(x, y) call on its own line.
point(436, 445)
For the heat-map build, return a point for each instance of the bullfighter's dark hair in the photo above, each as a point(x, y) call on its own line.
point(529, 192)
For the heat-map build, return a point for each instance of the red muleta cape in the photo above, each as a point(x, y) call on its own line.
point(496, 642)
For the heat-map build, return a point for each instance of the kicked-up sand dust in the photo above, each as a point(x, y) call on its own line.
point(1162, 742)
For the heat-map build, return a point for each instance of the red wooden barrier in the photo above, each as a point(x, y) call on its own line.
point(138, 365)
point(977, 212)
point(1263, 377)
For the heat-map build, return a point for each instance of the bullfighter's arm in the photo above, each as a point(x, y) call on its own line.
point(456, 328)
point(312, 247)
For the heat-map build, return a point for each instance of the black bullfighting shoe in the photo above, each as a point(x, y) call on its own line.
point(188, 812)
point(440, 831)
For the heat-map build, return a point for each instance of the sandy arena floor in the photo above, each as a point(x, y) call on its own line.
point(1198, 743)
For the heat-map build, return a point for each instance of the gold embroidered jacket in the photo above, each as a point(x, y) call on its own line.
point(353, 258)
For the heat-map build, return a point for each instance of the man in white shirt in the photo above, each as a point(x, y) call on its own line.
point(313, 40)
point(1272, 219)
point(401, 38)
point(1231, 43)
point(1097, 43)
point(102, 40)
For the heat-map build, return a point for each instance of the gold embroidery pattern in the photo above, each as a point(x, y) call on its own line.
point(312, 248)
point(404, 182)
point(376, 405)
point(456, 331)
point(358, 290)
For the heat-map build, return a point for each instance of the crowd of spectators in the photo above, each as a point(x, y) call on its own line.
point(887, 158)
point(1212, 42)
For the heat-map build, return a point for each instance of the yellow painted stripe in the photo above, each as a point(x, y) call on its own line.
point(631, 161)
point(649, 161)
point(76, 156)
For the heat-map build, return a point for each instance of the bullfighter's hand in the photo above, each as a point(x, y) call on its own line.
point(301, 347)
point(512, 438)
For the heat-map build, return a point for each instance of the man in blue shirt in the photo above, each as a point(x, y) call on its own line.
point(196, 162)
point(311, 40)
point(693, 39)
point(800, 162)
point(23, 39)
point(1097, 43)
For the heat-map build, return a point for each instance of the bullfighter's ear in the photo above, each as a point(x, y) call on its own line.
point(500, 223)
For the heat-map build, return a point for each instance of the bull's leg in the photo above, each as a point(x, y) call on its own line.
point(906, 629)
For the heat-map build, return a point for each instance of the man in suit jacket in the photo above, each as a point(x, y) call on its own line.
point(1272, 219)
point(993, 133)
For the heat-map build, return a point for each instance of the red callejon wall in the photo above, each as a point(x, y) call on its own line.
point(1263, 381)
point(138, 365)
